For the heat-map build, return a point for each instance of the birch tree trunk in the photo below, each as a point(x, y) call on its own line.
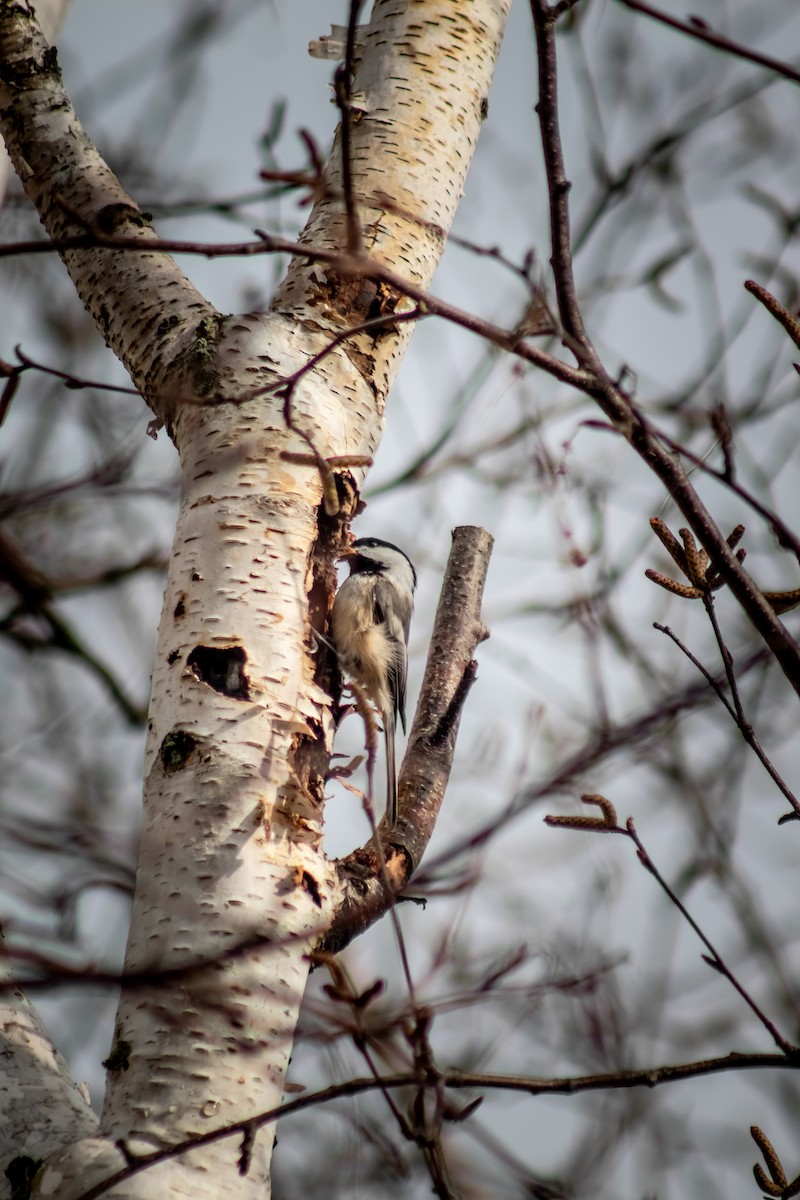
point(233, 889)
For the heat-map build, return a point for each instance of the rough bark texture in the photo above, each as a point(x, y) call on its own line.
point(233, 889)
point(50, 15)
point(55, 1110)
point(422, 90)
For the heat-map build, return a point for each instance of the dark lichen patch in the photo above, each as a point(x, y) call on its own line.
point(113, 218)
point(199, 360)
point(103, 318)
point(222, 669)
point(167, 324)
point(120, 1057)
point(21, 70)
point(176, 750)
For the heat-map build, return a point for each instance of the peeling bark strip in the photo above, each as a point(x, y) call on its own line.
point(231, 847)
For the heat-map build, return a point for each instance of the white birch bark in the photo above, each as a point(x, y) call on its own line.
point(231, 869)
point(41, 1109)
point(50, 15)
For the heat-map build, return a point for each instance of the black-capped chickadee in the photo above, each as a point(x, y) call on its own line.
point(370, 622)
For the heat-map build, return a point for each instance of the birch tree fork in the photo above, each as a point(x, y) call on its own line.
point(232, 880)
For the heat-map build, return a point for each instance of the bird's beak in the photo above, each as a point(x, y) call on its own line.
point(350, 552)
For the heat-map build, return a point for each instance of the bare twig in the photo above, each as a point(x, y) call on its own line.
point(703, 33)
point(596, 750)
point(736, 712)
point(714, 958)
point(369, 268)
point(73, 382)
point(785, 536)
point(61, 637)
point(787, 319)
point(558, 187)
point(610, 397)
point(649, 1077)
point(343, 85)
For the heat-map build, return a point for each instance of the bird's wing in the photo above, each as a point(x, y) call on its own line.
point(385, 607)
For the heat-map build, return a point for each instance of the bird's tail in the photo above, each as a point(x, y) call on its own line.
point(391, 769)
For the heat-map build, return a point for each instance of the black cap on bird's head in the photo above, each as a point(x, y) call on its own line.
point(372, 556)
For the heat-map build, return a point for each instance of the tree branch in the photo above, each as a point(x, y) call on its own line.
point(701, 32)
point(642, 436)
point(647, 1077)
point(369, 887)
point(143, 305)
point(41, 1109)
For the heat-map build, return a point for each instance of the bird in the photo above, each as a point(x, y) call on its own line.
point(369, 626)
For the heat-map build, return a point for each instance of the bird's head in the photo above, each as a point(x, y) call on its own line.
point(371, 556)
